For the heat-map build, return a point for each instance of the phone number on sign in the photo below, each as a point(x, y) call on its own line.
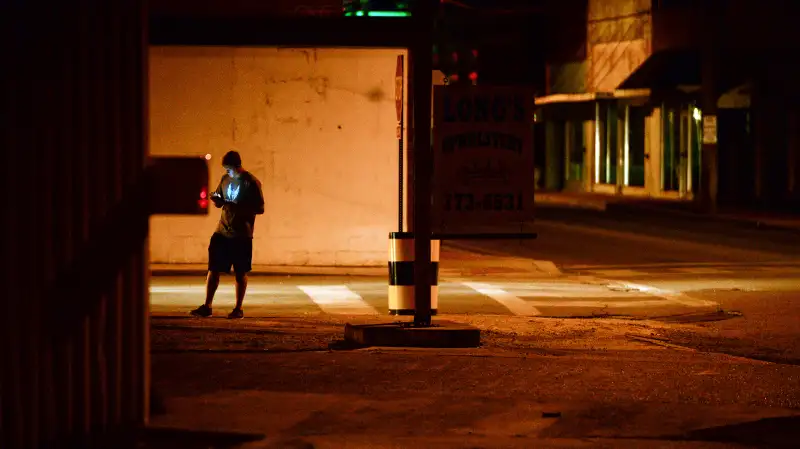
point(499, 202)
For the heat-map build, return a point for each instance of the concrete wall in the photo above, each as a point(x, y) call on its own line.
point(619, 35)
point(653, 150)
point(316, 126)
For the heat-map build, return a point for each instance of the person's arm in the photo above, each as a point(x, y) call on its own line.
point(258, 198)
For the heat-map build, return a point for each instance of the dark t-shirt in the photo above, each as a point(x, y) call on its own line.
point(239, 219)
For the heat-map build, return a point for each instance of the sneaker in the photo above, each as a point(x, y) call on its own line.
point(203, 311)
point(236, 314)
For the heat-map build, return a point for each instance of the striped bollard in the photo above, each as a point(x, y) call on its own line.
point(401, 274)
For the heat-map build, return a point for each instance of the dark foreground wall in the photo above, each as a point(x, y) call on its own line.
point(73, 321)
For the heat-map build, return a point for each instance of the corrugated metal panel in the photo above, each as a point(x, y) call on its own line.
point(73, 325)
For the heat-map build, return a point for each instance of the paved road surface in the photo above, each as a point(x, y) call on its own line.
point(688, 378)
point(657, 292)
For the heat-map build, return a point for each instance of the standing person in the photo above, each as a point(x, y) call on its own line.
point(240, 197)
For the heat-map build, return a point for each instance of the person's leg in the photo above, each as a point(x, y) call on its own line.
point(241, 289)
point(242, 264)
point(219, 261)
point(212, 282)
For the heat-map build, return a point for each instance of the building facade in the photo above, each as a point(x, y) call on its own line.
point(672, 99)
point(317, 127)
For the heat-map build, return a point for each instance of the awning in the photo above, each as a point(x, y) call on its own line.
point(579, 106)
point(666, 70)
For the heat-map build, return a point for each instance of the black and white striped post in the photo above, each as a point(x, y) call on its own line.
point(401, 274)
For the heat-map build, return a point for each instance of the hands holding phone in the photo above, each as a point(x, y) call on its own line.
point(219, 200)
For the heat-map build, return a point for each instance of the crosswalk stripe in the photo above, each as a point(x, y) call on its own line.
point(700, 270)
point(685, 300)
point(514, 304)
point(616, 273)
point(337, 299)
point(601, 304)
point(577, 293)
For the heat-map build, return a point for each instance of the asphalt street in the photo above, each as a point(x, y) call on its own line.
point(579, 237)
point(693, 341)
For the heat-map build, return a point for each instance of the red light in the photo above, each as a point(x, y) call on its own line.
point(203, 193)
point(473, 76)
point(203, 204)
point(454, 77)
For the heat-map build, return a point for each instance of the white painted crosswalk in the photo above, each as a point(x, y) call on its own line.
point(268, 296)
point(513, 303)
point(338, 299)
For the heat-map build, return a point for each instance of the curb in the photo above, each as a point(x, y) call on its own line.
point(611, 207)
point(749, 223)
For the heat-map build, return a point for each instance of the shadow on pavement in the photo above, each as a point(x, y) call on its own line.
point(782, 432)
point(170, 438)
point(164, 438)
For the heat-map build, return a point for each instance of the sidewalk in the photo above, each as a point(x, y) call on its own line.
point(284, 383)
point(668, 208)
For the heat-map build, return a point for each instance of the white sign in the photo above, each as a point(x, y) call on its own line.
point(710, 129)
point(483, 156)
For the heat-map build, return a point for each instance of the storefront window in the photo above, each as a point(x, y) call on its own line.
point(606, 145)
point(671, 153)
point(634, 151)
point(683, 128)
point(696, 147)
point(575, 150)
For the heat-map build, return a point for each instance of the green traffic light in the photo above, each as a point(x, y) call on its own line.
point(378, 14)
point(389, 14)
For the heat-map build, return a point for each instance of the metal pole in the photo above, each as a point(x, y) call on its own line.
point(401, 178)
point(399, 81)
point(421, 55)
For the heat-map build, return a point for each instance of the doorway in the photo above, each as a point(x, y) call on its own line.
point(671, 151)
point(681, 150)
point(634, 151)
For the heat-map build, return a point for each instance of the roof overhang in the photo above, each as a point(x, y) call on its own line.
point(591, 96)
point(666, 70)
point(581, 106)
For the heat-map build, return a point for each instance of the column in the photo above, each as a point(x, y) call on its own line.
point(622, 146)
point(707, 190)
point(588, 155)
point(653, 152)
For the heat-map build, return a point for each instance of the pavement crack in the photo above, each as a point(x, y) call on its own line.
point(704, 348)
point(658, 342)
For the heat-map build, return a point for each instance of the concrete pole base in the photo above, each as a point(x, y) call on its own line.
point(441, 334)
